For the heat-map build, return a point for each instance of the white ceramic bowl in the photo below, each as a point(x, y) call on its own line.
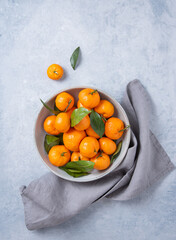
point(40, 135)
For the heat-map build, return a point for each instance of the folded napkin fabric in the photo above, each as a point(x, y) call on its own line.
point(50, 200)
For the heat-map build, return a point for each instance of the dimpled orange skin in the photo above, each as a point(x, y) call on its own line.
point(70, 111)
point(59, 155)
point(90, 132)
point(105, 108)
point(49, 125)
point(112, 127)
point(87, 99)
point(107, 145)
point(89, 147)
point(62, 123)
point(83, 124)
point(79, 104)
point(101, 162)
point(55, 71)
point(62, 101)
point(72, 139)
point(76, 156)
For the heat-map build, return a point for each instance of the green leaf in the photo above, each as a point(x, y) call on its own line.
point(97, 123)
point(78, 114)
point(74, 57)
point(78, 168)
point(117, 152)
point(73, 173)
point(81, 165)
point(55, 108)
point(50, 109)
point(51, 141)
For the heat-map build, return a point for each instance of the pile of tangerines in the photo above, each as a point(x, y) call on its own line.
point(81, 141)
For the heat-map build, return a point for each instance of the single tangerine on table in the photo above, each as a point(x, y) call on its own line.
point(90, 132)
point(105, 108)
point(79, 104)
point(83, 124)
point(62, 122)
point(49, 125)
point(59, 155)
point(101, 160)
point(90, 98)
point(89, 147)
point(113, 127)
point(107, 145)
point(72, 139)
point(76, 156)
point(64, 101)
point(55, 71)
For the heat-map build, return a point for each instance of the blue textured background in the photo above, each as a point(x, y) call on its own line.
point(120, 41)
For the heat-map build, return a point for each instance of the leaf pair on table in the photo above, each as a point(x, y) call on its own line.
point(78, 168)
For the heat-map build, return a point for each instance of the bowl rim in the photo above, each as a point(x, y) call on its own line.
point(103, 173)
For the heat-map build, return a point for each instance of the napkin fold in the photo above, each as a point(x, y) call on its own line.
point(50, 200)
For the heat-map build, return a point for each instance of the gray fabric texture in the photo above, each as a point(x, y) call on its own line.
point(50, 200)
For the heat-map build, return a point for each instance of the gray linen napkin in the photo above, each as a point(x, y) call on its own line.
point(50, 200)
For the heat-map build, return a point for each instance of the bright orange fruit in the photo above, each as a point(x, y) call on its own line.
point(90, 98)
point(62, 123)
point(49, 125)
point(101, 160)
point(76, 156)
point(72, 139)
point(89, 147)
point(105, 108)
point(112, 128)
point(83, 124)
point(59, 155)
point(64, 101)
point(107, 145)
point(55, 71)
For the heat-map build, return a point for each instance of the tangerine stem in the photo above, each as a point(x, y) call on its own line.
point(103, 118)
point(125, 128)
point(68, 105)
point(93, 92)
point(62, 154)
point(56, 72)
point(99, 155)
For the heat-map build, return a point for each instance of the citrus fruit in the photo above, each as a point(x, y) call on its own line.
point(101, 160)
point(79, 104)
point(62, 123)
point(90, 132)
point(90, 98)
point(107, 145)
point(55, 71)
point(89, 147)
point(83, 124)
point(105, 108)
point(59, 155)
point(76, 156)
point(113, 126)
point(72, 139)
point(64, 101)
point(49, 125)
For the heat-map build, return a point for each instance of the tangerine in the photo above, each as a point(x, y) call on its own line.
point(89, 147)
point(72, 139)
point(113, 127)
point(49, 125)
point(59, 155)
point(55, 71)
